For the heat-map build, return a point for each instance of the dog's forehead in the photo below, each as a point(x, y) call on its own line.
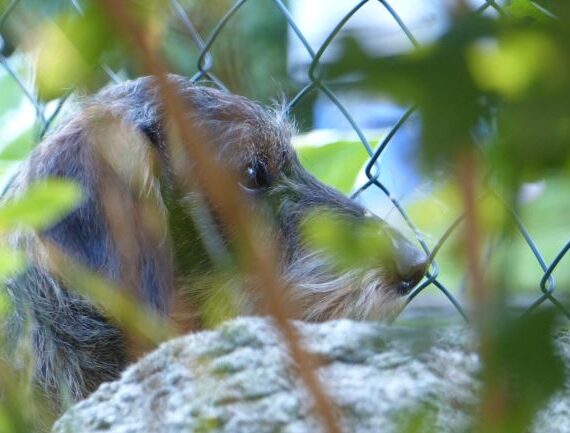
point(243, 128)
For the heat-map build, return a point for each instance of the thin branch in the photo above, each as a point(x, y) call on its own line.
point(222, 190)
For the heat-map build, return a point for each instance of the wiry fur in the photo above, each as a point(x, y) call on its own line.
point(137, 228)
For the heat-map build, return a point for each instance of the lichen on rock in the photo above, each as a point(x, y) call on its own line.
point(239, 379)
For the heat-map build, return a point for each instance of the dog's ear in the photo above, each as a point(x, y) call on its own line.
point(128, 150)
point(123, 179)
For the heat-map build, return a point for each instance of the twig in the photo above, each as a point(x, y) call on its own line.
point(222, 190)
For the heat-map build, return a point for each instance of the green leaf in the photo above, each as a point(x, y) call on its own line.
point(514, 64)
point(42, 205)
point(11, 262)
point(336, 164)
point(527, 9)
point(20, 147)
point(71, 46)
point(436, 78)
point(504, 79)
point(11, 93)
point(350, 243)
point(523, 370)
point(5, 305)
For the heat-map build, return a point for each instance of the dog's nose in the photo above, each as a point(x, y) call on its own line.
point(410, 263)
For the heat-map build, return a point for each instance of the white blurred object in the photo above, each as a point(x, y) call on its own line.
point(372, 25)
point(530, 191)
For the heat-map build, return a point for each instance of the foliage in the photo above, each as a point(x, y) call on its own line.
point(336, 164)
point(492, 94)
point(43, 204)
point(483, 66)
point(350, 243)
point(22, 409)
point(518, 382)
point(82, 41)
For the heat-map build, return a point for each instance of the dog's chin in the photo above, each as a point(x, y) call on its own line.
point(316, 293)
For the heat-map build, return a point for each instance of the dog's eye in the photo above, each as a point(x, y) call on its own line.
point(256, 177)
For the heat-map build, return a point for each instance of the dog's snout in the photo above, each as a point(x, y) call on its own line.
point(410, 263)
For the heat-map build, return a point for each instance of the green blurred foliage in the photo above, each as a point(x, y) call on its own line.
point(18, 148)
point(84, 40)
point(43, 204)
point(81, 44)
point(22, 408)
point(436, 78)
point(545, 217)
point(11, 94)
point(522, 370)
point(419, 420)
point(349, 242)
point(11, 262)
point(513, 70)
point(336, 164)
point(144, 326)
point(18, 137)
point(530, 11)
point(5, 305)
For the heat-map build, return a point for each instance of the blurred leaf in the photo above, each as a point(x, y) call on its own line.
point(42, 205)
point(11, 262)
point(420, 419)
point(535, 126)
point(61, 71)
point(491, 213)
point(221, 301)
point(11, 93)
point(23, 407)
point(513, 64)
point(536, 138)
point(5, 307)
point(522, 371)
point(20, 147)
point(349, 242)
point(504, 72)
point(71, 46)
point(436, 78)
point(335, 164)
point(142, 324)
point(527, 9)
point(434, 213)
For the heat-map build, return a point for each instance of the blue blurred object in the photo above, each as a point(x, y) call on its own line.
point(400, 168)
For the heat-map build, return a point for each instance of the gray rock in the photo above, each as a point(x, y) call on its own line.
point(238, 379)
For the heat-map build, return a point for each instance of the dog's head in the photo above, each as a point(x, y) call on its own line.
point(255, 143)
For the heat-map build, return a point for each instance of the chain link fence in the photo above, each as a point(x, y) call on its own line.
point(204, 66)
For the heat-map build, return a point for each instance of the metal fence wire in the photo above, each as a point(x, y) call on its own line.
point(205, 61)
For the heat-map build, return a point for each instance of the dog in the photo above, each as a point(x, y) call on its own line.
point(138, 226)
